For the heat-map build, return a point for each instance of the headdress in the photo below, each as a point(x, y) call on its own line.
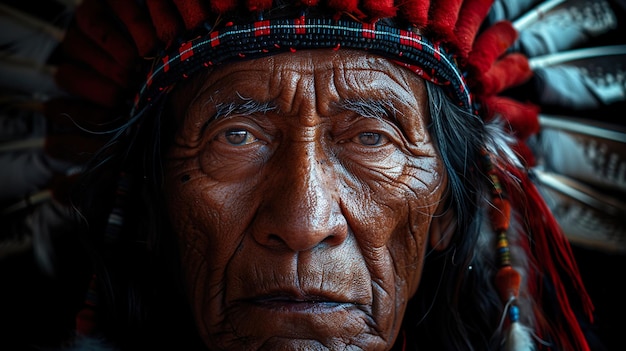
point(114, 59)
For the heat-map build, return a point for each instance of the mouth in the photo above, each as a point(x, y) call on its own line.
point(297, 301)
point(303, 304)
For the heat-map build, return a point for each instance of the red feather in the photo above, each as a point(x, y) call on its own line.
point(471, 16)
point(258, 5)
point(552, 252)
point(220, 6)
point(442, 19)
point(416, 12)
point(193, 12)
point(89, 84)
point(92, 22)
point(511, 70)
point(349, 6)
point(379, 8)
point(522, 118)
point(166, 23)
point(81, 48)
point(490, 45)
point(138, 24)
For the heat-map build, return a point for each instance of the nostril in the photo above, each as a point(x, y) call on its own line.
point(332, 240)
point(274, 239)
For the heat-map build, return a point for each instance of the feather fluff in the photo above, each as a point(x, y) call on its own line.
point(519, 338)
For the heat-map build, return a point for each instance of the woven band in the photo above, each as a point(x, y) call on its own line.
point(265, 37)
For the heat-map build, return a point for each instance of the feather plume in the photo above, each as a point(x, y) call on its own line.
point(508, 10)
point(583, 79)
point(193, 12)
point(26, 37)
point(557, 26)
point(166, 21)
point(519, 338)
point(138, 24)
point(590, 218)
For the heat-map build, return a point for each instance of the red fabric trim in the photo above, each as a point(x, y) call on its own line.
point(262, 28)
point(186, 51)
point(368, 30)
point(166, 64)
point(299, 25)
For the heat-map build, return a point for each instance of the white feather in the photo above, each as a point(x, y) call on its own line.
point(519, 338)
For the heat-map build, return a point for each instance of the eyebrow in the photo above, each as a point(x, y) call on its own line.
point(243, 106)
point(370, 108)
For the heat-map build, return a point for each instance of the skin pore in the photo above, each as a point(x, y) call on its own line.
point(304, 189)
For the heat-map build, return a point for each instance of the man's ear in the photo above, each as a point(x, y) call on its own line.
point(442, 226)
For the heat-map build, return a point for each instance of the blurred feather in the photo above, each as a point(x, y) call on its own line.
point(588, 218)
point(583, 79)
point(27, 77)
point(559, 25)
point(25, 36)
point(30, 225)
point(582, 165)
point(509, 9)
point(584, 150)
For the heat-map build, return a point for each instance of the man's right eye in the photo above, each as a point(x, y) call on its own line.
point(239, 137)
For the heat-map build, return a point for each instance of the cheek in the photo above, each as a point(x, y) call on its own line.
point(208, 218)
point(391, 215)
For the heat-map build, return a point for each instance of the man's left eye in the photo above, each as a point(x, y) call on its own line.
point(239, 137)
point(371, 139)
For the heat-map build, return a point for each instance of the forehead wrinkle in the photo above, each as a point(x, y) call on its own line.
point(298, 91)
point(377, 79)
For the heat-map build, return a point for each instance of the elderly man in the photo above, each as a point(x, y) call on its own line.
point(304, 175)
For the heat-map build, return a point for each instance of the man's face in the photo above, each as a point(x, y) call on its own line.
point(302, 188)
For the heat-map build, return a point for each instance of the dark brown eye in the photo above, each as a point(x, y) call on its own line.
point(371, 139)
point(239, 137)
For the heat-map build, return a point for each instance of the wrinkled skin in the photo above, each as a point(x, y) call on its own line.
point(304, 213)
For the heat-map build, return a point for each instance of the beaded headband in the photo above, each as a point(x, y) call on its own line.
point(427, 59)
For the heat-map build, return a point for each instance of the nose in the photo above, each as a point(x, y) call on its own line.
point(300, 209)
